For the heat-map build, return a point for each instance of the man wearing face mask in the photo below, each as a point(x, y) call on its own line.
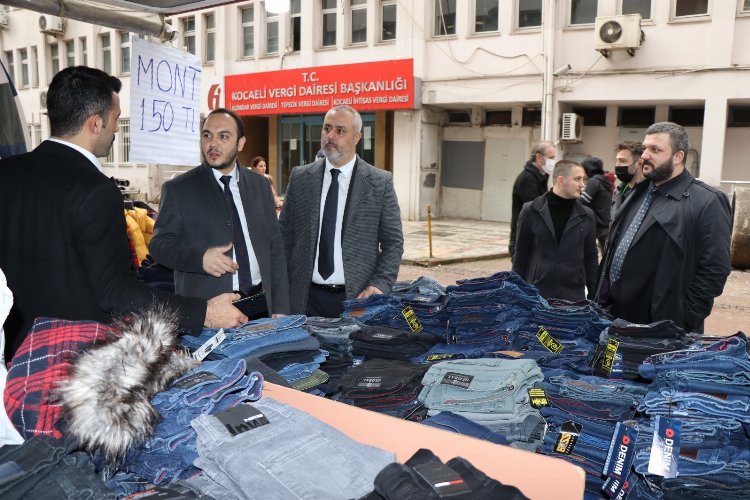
point(217, 225)
point(531, 183)
point(628, 170)
point(668, 248)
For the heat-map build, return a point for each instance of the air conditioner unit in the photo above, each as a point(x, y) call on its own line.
point(43, 99)
point(4, 17)
point(572, 127)
point(51, 25)
point(618, 33)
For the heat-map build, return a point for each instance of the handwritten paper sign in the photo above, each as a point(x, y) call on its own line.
point(165, 90)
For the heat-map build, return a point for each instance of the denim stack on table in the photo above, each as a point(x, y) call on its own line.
point(294, 366)
point(279, 453)
point(707, 389)
point(389, 343)
point(385, 386)
point(639, 341)
point(570, 320)
point(490, 392)
point(378, 309)
point(209, 388)
point(575, 355)
point(428, 299)
point(333, 334)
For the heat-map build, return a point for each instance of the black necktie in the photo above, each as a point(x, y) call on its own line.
point(238, 240)
point(328, 227)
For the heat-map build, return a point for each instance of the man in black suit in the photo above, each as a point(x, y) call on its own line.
point(217, 241)
point(64, 246)
point(341, 223)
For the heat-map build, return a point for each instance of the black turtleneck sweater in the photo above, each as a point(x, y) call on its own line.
point(559, 210)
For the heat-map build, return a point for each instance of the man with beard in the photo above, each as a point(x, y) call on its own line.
point(668, 249)
point(217, 225)
point(341, 223)
point(628, 170)
point(63, 243)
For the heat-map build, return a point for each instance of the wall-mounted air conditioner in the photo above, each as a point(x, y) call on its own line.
point(618, 33)
point(51, 25)
point(571, 129)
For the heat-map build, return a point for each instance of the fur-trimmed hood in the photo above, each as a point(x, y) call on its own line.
point(107, 398)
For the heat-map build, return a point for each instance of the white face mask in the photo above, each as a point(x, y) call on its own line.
point(549, 165)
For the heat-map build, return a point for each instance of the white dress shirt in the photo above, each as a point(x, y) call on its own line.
point(345, 178)
point(234, 187)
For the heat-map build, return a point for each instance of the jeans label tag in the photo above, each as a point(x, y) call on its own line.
point(548, 341)
point(457, 379)
point(262, 327)
point(241, 419)
point(370, 382)
point(195, 379)
point(621, 451)
point(619, 488)
point(411, 319)
point(387, 336)
point(538, 397)
point(444, 481)
point(356, 313)
point(210, 345)
point(438, 357)
point(568, 437)
point(665, 447)
point(604, 369)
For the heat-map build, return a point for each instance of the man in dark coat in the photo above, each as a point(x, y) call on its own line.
point(531, 183)
point(556, 244)
point(668, 249)
point(598, 197)
point(63, 243)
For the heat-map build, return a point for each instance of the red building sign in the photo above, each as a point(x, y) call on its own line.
point(364, 86)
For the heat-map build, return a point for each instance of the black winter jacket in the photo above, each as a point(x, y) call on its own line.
point(529, 185)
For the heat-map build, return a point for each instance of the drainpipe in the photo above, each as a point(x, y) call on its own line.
point(549, 17)
point(142, 23)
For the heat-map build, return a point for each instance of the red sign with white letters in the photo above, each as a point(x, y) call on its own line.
point(363, 86)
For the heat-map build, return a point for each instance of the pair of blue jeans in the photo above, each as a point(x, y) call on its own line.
point(453, 422)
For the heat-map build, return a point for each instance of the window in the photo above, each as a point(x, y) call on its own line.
point(272, 33)
point(582, 11)
point(686, 116)
point(110, 158)
point(531, 117)
point(636, 117)
point(388, 20)
point(746, 6)
point(445, 18)
point(106, 54)
point(485, 16)
point(295, 25)
point(529, 13)
point(124, 52)
point(54, 57)
point(248, 32)
point(684, 8)
point(36, 138)
point(70, 53)
point(24, 56)
point(10, 64)
point(498, 118)
point(188, 34)
point(359, 21)
point(329, 23)
point(642, 7)
point(210, 27)
point(593, 117)
point(35, 66)
point(738, 116)
point(124, 134)
point(84, 51)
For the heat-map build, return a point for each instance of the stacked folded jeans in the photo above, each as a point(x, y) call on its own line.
point(707, 389)
point(452, 422)
point(490, 392)
point(376, 309)
point(389, 343)
point(333, 333)
point(385, 386)
point(565, 320)
point(575, 354)
point(284, 453)
point(210, 388)
point(424, 476)
point(424, 286)
point(254, 338)
point(295, 365)
point(428, 299)
point(639, 341)
point(441, 352)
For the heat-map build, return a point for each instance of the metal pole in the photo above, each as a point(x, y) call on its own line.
point(429, 226)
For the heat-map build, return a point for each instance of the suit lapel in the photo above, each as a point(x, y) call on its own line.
point(359, 186)
point(313, 188)
point(546, 217)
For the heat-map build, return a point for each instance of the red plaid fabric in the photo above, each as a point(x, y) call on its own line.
point(41, 362)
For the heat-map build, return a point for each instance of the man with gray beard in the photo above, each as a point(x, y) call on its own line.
point(668, 247)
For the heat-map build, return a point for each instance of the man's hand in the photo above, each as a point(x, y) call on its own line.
point(216, 263)
point(370, 290)
point(220, 312)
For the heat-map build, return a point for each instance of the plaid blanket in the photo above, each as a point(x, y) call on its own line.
point(41, 362)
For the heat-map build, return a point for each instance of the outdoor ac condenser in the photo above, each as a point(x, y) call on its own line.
point(571, 129)
point(618, 33)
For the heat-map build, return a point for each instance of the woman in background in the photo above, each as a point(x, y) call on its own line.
point(258, 164)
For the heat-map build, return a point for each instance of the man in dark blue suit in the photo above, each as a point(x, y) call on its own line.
point(64, 245)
